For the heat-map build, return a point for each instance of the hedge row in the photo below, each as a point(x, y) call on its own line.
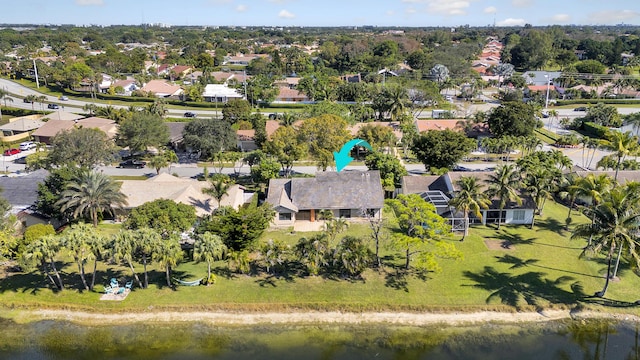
point(594, 130)
point(596, 101)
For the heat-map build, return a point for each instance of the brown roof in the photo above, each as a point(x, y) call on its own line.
point(286, 93)
point(426, 125)
point(246, 135)
point(179, 69)
point(53, 127)
point(160, 87)
point(221, 75)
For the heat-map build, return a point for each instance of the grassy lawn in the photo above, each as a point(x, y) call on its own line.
point(541, 265)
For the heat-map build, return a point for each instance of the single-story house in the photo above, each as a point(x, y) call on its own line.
point(162, 89)
point(440, 189)
point(246, 138)
point(52, 127)
point(346, 194)
point(288, 95)
point(438, 124)
point(19, 128)
point(128, 85)
point(181, 190)
point(220, 93)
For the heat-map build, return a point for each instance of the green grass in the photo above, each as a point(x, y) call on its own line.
point(543, 264)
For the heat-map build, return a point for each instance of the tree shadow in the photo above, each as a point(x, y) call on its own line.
point(552, 225)
point(224, 272)
point(517, 263)
point(610, 302)
point(513, 239)
point(530, 288)
point(397, 279)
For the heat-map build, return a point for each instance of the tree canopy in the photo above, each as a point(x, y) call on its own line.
point(512, 118)
point(162, 215)
point(83, 147)
point(441, 149)
point(141, 131)
point(209, 136)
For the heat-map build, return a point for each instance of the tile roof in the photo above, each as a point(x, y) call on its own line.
point(22, 191)
point(160, 87)
point(286, 93)
point(23, 124)
point(426, 125)
point(53, 127)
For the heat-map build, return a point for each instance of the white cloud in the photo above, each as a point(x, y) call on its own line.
point(410, 11)
point(560, 18)
point(241, 8)
point(285, 14)
point(613, 16)
point(443, 7)
point(490, 10)
point(522, 3)
point(89, 2)
point(511, 22)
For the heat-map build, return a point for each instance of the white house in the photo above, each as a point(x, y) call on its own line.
point(220, 93)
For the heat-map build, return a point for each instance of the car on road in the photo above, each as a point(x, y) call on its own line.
point(132, 164)
point(63, 98)
point(190, 114)
point(53, 106)
point(580, 108)
point(12, 151)
point(25, 100)
point(27, 145)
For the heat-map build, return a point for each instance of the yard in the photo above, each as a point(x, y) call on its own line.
point(514, 268)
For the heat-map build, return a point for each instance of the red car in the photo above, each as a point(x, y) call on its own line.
point(10, 152)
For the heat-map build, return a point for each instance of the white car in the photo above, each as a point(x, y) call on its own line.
point(27, 145)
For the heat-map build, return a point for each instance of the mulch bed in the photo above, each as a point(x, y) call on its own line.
point(499, 245)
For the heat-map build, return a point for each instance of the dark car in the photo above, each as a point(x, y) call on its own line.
point(53, 106)
point(134, 164)
point(189, 114)
point(10, 152)
point(581, 108)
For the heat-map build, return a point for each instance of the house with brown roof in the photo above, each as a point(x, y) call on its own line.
point(347, 194)
point(438, 124)
point(287, 95)
point(52, 127)
point(181, 190)
point(246, 138)
point(161, 88)
point(20, 128)
point(440, 189)
point(181, 70)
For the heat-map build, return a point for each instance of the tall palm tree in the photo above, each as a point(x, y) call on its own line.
point(569, 189)
point(31, 99)
point(397, 99)
point(615, 227)
point(44, 251)
point(98, 247)
point(167, 254)
point(469, 198)
point(90, 194)
point(76, 240)
point(504, 184)
point(158, 162)
point(623, 145)
point(631, 119)
point(41, 99)
point(146, 241)
point(4, 95)
point(538, 185)
point(594, 187)
point(209, 248)
point(124, 248)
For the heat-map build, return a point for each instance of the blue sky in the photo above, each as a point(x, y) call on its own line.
point(321, 12)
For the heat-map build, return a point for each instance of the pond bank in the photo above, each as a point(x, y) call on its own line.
point(311, 317)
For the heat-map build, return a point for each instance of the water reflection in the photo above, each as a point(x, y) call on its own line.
point(585, 339)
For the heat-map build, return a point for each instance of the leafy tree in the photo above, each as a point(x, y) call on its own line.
point(235, 110)
point(352, 255)
point(441, 149)
point(469, 198)
point(239, 229)
point(504, 184)
point(163, 215)
point(260, 88)
point(533, 51)
point(421, 232)
point(287, 147)
point(50, 190)
point(391, 170)
point(512, 118)
point(605, 115)
point(209, 248)
point(590, 67)
point(622, 145)
point(142, 131)
point(378, 137)
point(90, 194)
point(313, 252)
point(36, 231)
point(266, 170)
point(323, 135)
point(209, 136)
point(83, 147)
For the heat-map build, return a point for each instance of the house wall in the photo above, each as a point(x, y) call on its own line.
point(512, 216)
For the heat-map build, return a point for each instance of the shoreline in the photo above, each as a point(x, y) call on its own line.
point(313, 317)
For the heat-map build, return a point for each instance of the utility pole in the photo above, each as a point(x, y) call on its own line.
point(35, 70)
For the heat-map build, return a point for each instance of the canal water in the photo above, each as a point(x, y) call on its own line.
point(567, 339)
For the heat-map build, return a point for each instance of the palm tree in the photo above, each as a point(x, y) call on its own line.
point(538, 185)
point(615, 227)
point(504, 184)
point(631, 119)
point(218, 189)
point(97, 246)
point(4, 95)
point(41, 99)
point(594, 187)
point(167, 254)
point(288, 119)
point(32, 99)
point(146, 241)
point(90, 194)
point(209, 248)
point(397, 100)
point(158, 162)
point(623, 145)
point(44, 251)
point(76, 241)
point(569, 190)
point(335, 226)
point(469, 198)
point(124, 247)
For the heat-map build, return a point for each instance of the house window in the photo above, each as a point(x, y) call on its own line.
point(518, 215)
point(345, 213)
point(284, 216)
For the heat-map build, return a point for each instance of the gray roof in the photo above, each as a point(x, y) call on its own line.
point(328, 190)
point(175, 130)
point(412, 184)
point(22, 191)
point(23, 125)
point(624, 176)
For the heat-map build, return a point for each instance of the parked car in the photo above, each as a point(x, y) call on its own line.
point(12, 151)
point(580, 108)
point(53, 106)
point(27, 145)
point(133, 164)
point(25, 100)
point(63, 98)
point(190, 114)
